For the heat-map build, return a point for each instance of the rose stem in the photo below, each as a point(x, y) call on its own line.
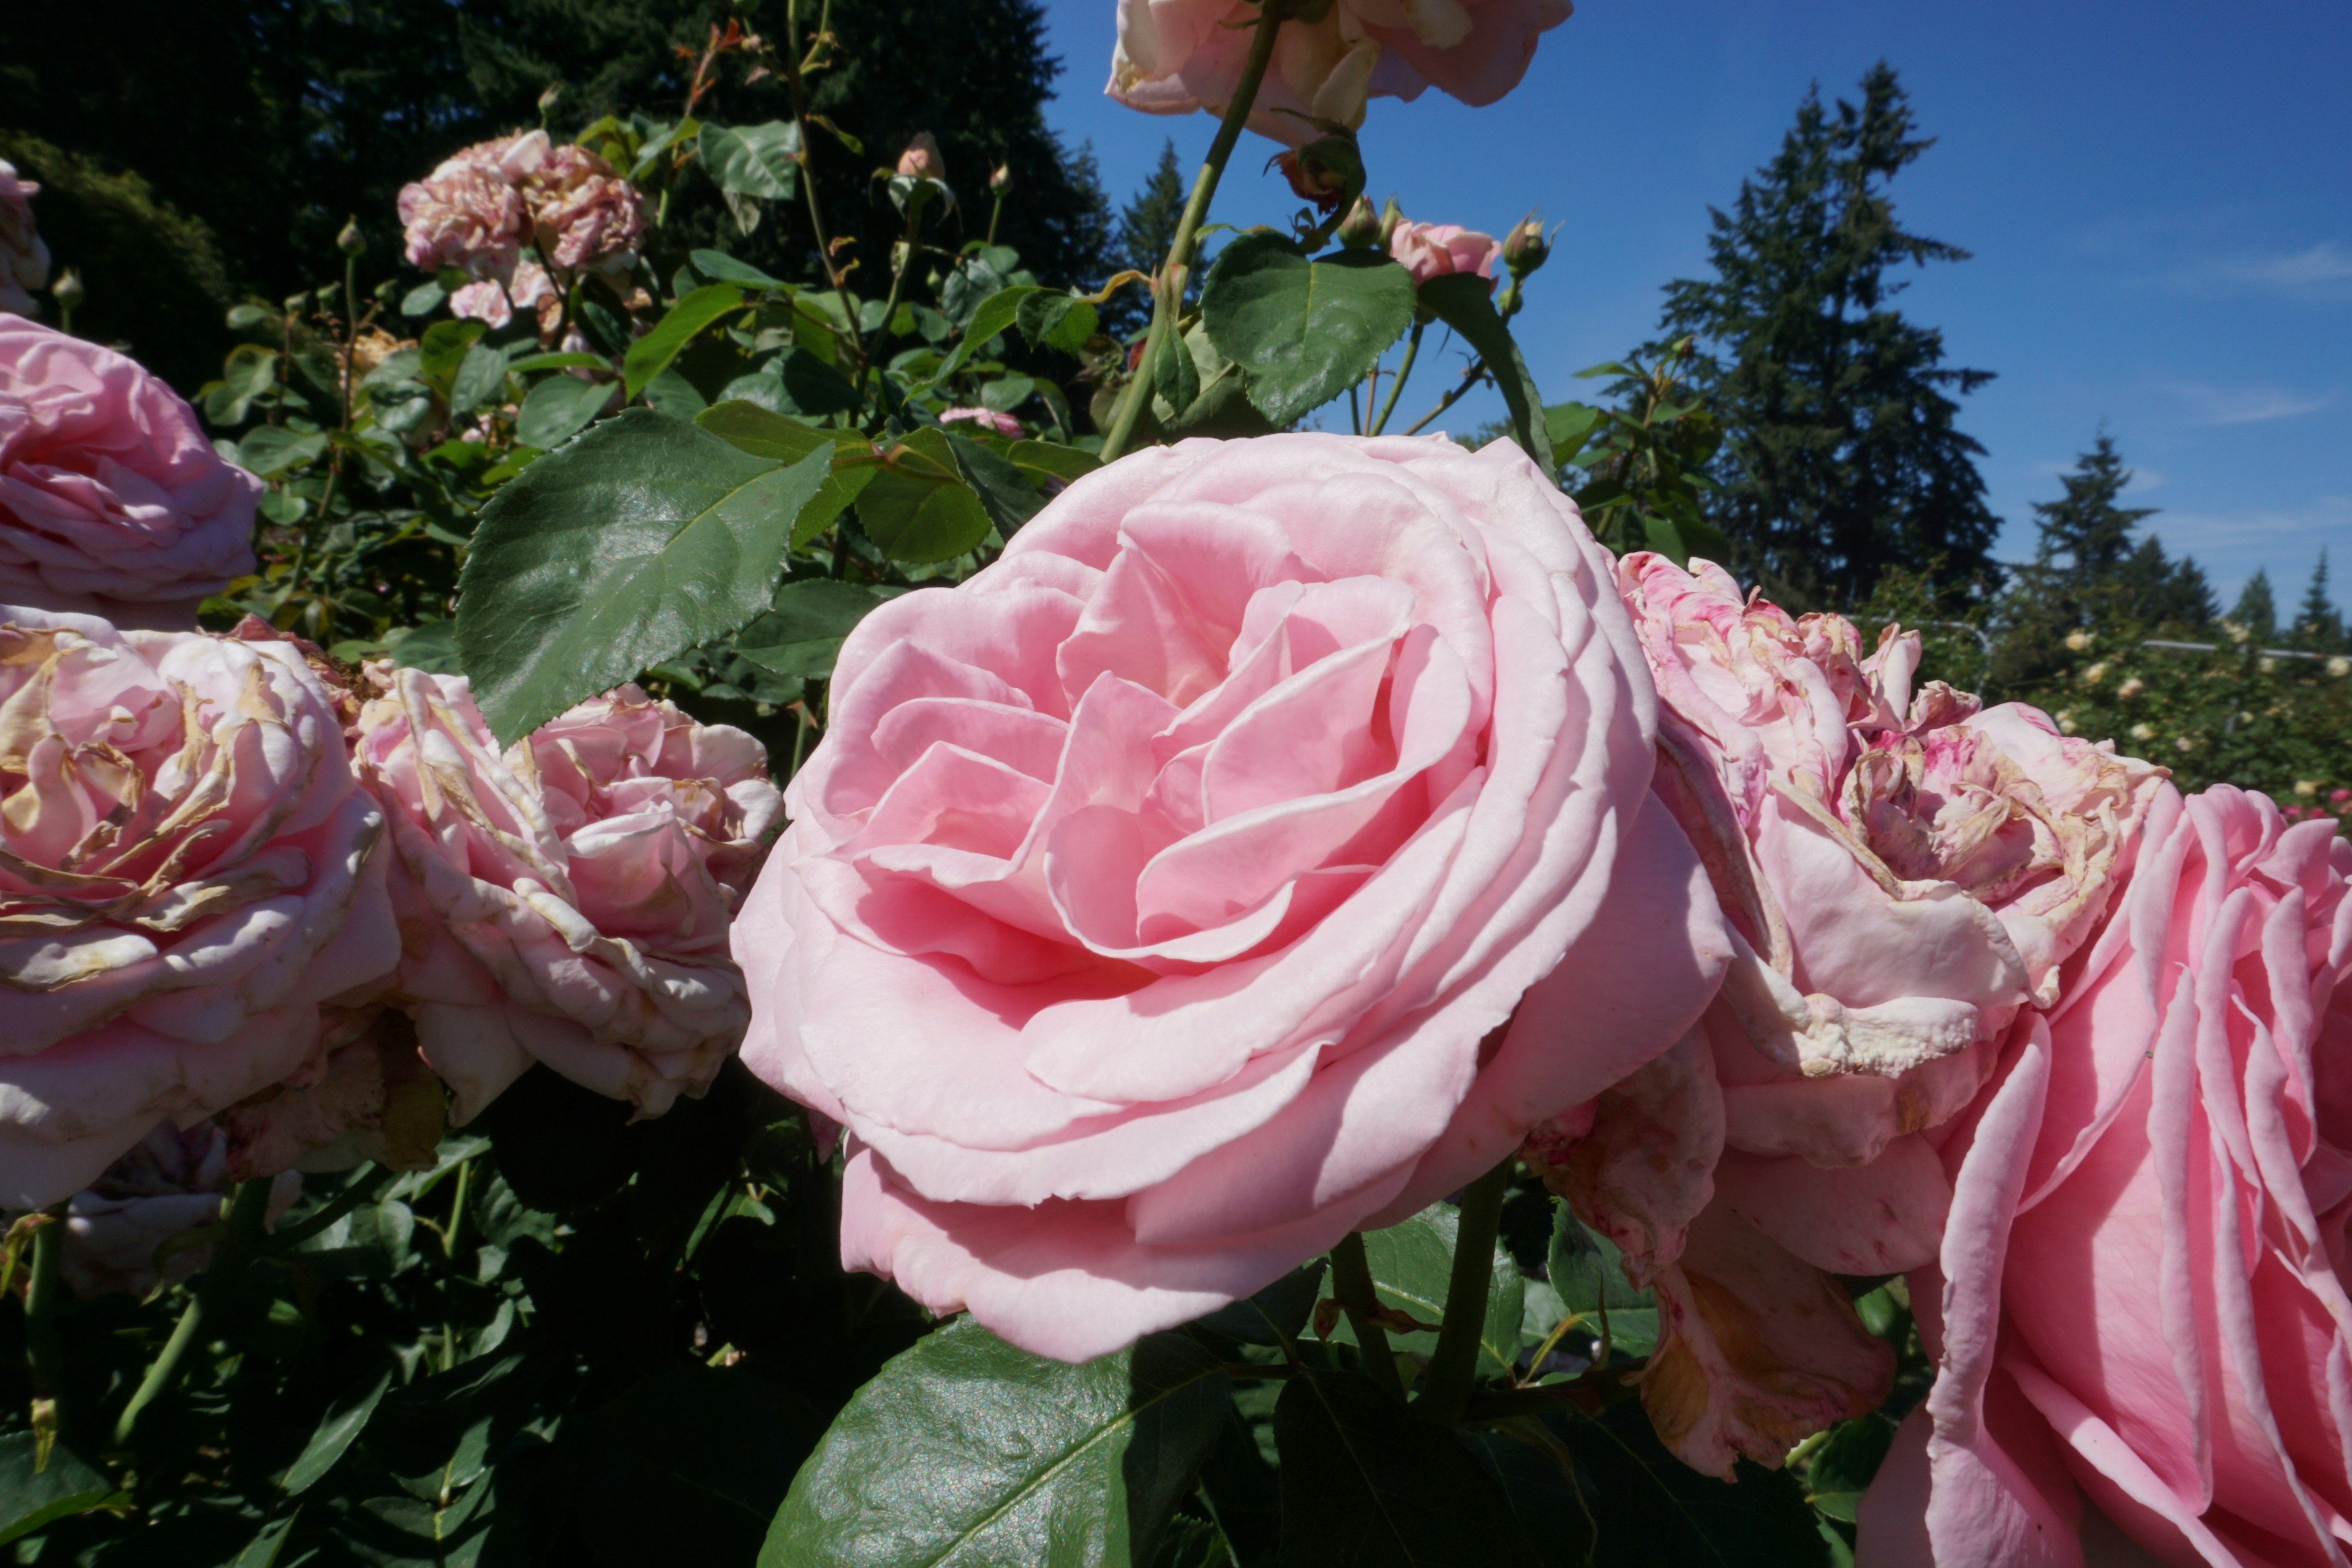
point(1445, 1386)
point(1470, 378)
point(247, 1211)
point(42, 1354)
point(1168, 289)
point(1403, 369)
point(916, 199)
point(1352, 1282)
point(449, 1244)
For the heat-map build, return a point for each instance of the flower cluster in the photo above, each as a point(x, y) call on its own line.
point(483, 208)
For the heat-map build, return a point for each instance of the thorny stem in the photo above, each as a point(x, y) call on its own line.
point(1445, 1386)
point(1403, 369)
point(1168, 288)
point(247, 1212)
point(1351, 1283)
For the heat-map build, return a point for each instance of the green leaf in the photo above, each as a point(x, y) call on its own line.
point(249, 371)
point(422, 300)
point(766, 434)
point(31, 1500)
point(1652, 1509)
point(918, 510)
point(1588, 1274)
point(530, 364)
point(431, 646)
point(1000, 484)
point(751, 161)
point(1462, 302)
point(1367, 1484)
point(443, 348)
point(269, 451)
point(802, 633)
point(1175, 379)
point(1411, 1266)
point(481, 378)
point(721, 268)
point(994, 314)
point(1569, 426)
point(641, 539)
point(1046, 458)
point(964, 1452)
point(344, 1421)
point(1057, 321)
point(1007, 392)
point(1304, 331)
point(814, 386)
point(1277, 1314)
point(557, 409)
point(651, 354)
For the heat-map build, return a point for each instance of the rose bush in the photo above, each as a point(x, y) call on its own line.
point(567, 901)
point(24, 259)
point(1159, 905)
point(185, 876)
point(112, 501)
point(2140, 1293)
point(1901, 874)
point(1174, 57)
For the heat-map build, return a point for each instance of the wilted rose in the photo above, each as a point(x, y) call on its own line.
point(184, 877)
point(112, 501)
point(584, 212)
point(1902, 875)
point(139, 1225)
point(1430, 251)
point(468, 213)
point(1160, 904)
point(494, 301)
point(1004, 424)
point(2141, 1291)
point(1174, 57)
point(567, 901)
point(24, 259)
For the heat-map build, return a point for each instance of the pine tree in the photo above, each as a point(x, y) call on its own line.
point(2087, 530)
point(1842, 455)
point(2318, 624)
point(2256, 610)
point(1146, 228)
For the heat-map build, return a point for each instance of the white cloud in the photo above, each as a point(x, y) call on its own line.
point(2325, 268)
point(2284, 540)
point(2246, 404)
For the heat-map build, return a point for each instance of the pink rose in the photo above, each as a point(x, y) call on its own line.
point(495, 300)
point(584, 212)
point(1901, 876)
point(365, 1095)
point(1174, 57)
point(24, 259)
point(2141, 1285)
point(921, 160)
point(1004, 424)
point(112, 501)
point(1161, 902)
point(1430, 251)
point(186, 876)
point(124, 1231)
point(566, 901)
point(468, 213)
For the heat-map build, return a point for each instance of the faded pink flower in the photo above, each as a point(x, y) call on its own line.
point(1430, 251)
point(130, 1230)
point(1254, 852)
point(584, 213)
point(1902, 875)
point(1174, 57)
point(1004, 424)
point(2140, 1297)
point(366, 1096)
point(112, 501)
point(495, 300)
point(566, 901)
point(24, 259)
point(184, 877)
point(921, 160)
point(469, 212)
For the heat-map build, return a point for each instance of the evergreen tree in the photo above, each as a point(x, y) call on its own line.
point(2086, 531)
point(2256, 610)
point(2318, 624)
point(1841, 454)
point(1146, 228)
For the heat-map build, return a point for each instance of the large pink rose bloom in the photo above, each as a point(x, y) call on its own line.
point(23, 258)
point(112, 501)
point(1161, 902)
point(1174, 57)
point(2141, 1293)
point(185, 876)
point(1902, 874)
point(1430, 251)
point(566, 900)
point(585, 213)
point(469, 213)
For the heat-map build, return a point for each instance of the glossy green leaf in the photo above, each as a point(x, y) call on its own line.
point(814, 386)
point(559, 408)
point(269, 451)
point(1003, 487)
point(1463, 300)
point(643, 538)
point(443, 348)
point(1588, 1274)
point(802, 634)
point(1057, 321)
point(1303, 331)
point(652, 353)
point(967, 1453)
point(1368, 1484)
point(1411, 1266)
point(766, 434)
point(422, 300)
point(992, 316)
point(1046, 458)
point(752, 161)
point(918, 510)
point(344, 1421)
point(481, 378)
point(31, 1500)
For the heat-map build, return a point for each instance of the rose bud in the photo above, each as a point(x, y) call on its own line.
point(1526, 247)
point(1361, 230)
point(1326, 171)
point(921, 160)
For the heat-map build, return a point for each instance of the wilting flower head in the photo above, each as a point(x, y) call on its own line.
point(24, 259)
point(582, 212)
point(921, 160)
point(1902, 873)
point(567, 901)
point(468, 213)
point(1160, 904)
point(1177, 55)
point(1430, 251)
point(111, 498)
point(495, 300)
point(186, 877)
point(1004, 424)
point(130, 1230)
point(2141, 1291)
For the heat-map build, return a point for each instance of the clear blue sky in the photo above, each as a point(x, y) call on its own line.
point(2159, 197)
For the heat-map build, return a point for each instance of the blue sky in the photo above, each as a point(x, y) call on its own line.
point(2159, 197)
